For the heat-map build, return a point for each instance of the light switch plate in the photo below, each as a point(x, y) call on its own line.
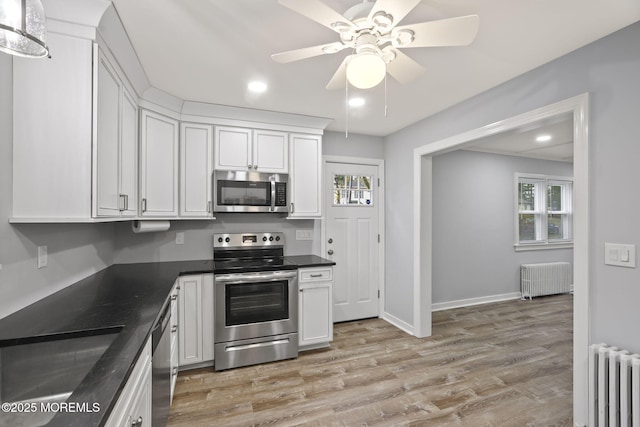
point(42, 256)
point(620, 255)
point(304, 234)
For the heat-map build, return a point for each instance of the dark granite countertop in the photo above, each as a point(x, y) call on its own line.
point(123, 297)
point(303, 261)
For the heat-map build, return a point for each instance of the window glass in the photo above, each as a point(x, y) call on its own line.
point(544, 209)
point(352, 190)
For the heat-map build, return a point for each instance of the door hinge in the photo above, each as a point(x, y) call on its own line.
point(378, 238)
point(378, 293)
point(378, 182)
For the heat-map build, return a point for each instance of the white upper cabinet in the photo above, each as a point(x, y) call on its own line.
point(158, 165)
point(270, 151)
point(233, 148)
point(52, 132)
point(196, 168)
point(116, 153)
point(305, 178)
point(246, 149)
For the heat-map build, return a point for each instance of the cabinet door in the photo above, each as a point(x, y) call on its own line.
point(129, 155)
point(159, 165)
point(270, 151)
point(141, 414)
point(305, 176)
point(108, 137)
point(315, 313)
point(190, 320)
point(196, 167)
point(207, 317)
point(233, 148)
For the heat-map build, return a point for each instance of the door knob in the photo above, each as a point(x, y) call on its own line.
point(330, 240)
point(330, 251)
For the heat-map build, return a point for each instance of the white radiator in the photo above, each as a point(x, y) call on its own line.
point(614, 387)
point(545, 279)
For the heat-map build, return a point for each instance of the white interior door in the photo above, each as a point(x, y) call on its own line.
point(352, 229)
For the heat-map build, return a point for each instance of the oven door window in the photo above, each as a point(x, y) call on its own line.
point(244, 193)
point(256, 302)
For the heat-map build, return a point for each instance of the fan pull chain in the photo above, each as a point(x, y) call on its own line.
point(386, 110)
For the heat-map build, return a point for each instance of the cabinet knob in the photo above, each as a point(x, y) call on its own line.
point(330, 251)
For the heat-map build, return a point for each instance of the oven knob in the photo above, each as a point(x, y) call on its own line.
point(219, 239)
point(264, 239)
point(277, 238)
point(271, 238)
point(227, 240)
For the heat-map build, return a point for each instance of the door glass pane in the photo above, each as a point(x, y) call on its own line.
point(555, 227)
point(526, 196)
point(527, 227)
point(352, 190)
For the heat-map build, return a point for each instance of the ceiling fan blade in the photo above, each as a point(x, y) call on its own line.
point(340, 76)
point(403, 68)
point(317, 11)
point(307, 52)
point(398, 9)
point(458, 31)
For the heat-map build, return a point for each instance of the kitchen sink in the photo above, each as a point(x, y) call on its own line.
point(39, 373)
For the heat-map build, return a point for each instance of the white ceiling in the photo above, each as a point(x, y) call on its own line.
point(208, 50)
point(522, 141)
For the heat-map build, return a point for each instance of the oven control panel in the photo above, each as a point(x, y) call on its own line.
point(244, 240)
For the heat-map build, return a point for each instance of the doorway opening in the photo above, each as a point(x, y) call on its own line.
point(423, 231)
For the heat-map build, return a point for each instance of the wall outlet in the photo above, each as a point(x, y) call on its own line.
point(180, 238)
point(42, 256)
point(304, 234)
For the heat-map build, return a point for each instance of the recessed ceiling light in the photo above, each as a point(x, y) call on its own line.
point(543, 138)
point(257, 86)
point(356, 102)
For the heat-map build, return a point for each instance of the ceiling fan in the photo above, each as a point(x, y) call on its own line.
point(370, 30)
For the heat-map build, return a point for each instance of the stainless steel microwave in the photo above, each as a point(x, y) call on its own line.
point(245, 191)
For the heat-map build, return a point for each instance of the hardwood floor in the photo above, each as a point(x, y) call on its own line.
point(501, 364)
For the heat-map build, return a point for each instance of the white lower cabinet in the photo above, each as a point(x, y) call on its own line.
point(195, 319)
point(173, 360)
point(134, 405)
point(315, 328)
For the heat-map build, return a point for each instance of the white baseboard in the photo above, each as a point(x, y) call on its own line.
point(474, 301)
point(398, 323)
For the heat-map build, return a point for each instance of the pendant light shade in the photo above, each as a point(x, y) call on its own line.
point(23, 29)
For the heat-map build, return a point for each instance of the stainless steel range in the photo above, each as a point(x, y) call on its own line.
point(256, 300)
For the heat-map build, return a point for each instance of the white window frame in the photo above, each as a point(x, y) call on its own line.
point(542, 212)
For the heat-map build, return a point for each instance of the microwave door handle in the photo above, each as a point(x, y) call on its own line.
point(273, 194)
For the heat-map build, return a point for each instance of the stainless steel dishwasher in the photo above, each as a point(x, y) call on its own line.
point(161, 368)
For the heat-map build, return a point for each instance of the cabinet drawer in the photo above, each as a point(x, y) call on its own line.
point(318, 274)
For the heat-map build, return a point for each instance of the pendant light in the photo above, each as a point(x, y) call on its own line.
point(23, 29)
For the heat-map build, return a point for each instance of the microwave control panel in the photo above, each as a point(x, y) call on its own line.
point(281, 194)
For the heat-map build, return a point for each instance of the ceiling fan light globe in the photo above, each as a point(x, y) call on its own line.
point(23, 37)
point(366, 70)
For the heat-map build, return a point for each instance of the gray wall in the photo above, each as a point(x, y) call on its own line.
point(473, 224)
point(75, 250)
point(198, 240)
point(335, 144)
point(608, 69)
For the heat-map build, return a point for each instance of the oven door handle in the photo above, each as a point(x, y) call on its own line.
point(271, 276)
